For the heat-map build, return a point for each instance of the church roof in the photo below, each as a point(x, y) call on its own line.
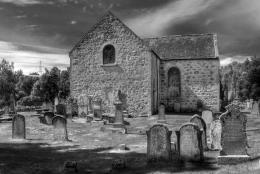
point(194, 46)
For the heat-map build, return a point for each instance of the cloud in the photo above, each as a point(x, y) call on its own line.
point(29, 61)
point(21, 2)
point(157, 21)
point(224, 61)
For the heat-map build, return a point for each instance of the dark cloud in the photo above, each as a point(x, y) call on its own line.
point(39, 25)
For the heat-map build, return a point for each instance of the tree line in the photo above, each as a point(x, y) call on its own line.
point(238, 80)
point(32, 89)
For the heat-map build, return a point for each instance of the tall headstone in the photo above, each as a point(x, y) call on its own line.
point(48, 117)
point(97, 108)
point(202, 125)
point(251, 103)
point(90, 104)
point(189, 143)
point(119, 119)
point(161, 114)
point(18, 127)
point(233, 136)
point(215, 131)
point(60, 128)
point(207, 116)
point(158, 143)
point(255, 109)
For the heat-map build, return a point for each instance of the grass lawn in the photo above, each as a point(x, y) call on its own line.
point(95, 150)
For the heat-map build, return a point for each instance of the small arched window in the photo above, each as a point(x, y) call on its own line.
point(174, 82)
point(109, 54)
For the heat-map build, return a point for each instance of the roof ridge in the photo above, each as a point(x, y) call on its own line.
point(179, 35)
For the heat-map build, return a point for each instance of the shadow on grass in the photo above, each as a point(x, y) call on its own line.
point(39, 158)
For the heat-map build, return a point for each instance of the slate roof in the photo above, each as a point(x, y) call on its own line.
point(194, 46)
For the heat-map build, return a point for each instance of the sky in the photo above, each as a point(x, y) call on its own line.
point(45, 30)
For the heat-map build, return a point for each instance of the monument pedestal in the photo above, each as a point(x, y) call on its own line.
point(232, 159)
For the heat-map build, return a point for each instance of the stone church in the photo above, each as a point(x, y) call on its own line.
point(179, 71)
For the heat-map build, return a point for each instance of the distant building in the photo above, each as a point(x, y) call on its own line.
point(177, 71)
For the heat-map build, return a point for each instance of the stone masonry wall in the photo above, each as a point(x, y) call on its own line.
point(131, 72)
point(199, 81)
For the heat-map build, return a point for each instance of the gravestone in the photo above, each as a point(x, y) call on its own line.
point(60, 128)
point(207, 116)
point(97, 108)
point(158, 143)
point(119, 119)
point(233, 136)
point(255, 109)
point(12, 105)
point(189, 143)
point(177, 107)
point(251, 103)
point(202, 125)
point(215, 131)
point(48, 117)
point(61, 109)
point(90, 104)
point(161, 114)
point(18, 127)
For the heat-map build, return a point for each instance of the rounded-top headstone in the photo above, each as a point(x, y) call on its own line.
point(190, 142)
point(202, 125)
point(60, 128)
point(18, 127)
point(158, 143)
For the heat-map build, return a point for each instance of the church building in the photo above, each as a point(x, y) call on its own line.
point(179, 71)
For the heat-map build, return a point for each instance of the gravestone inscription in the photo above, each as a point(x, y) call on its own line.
point(189, 143)
point(158, 143)
point(233, 136)
point(60, 128)
point(18, 127)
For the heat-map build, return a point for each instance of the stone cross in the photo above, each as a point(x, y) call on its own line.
point(158, 143)
point(48, 117)
point(202, 125)
point(255, 109)
point(18, 127)
point(60, 128)
point(189, 143)
point(233, 136)
point(161, 114)
point(215, 131)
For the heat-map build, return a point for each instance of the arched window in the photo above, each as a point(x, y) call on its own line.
point(109, 54)
point(174, 82)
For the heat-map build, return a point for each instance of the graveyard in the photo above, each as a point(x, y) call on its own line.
point(95, 150)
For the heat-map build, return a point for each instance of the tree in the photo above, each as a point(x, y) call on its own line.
point(7, 82)
point(64, 85)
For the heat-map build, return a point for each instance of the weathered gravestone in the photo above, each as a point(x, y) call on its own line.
point(18, 127)
point(251, 103)
point(207, 116)
point(48, 117)
point(233, 136)
point(158, 143)
point(202, 125)
point(97, 108)
point(161, 114)
point(255, 109)
point(12, 105)
point(189, 143)
point(215, 131)
point(90, 104)
point(119, 118)
point(60, 128)
point(61, 109)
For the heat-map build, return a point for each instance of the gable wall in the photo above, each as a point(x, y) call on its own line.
point(131, 74)
point(199, 81)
